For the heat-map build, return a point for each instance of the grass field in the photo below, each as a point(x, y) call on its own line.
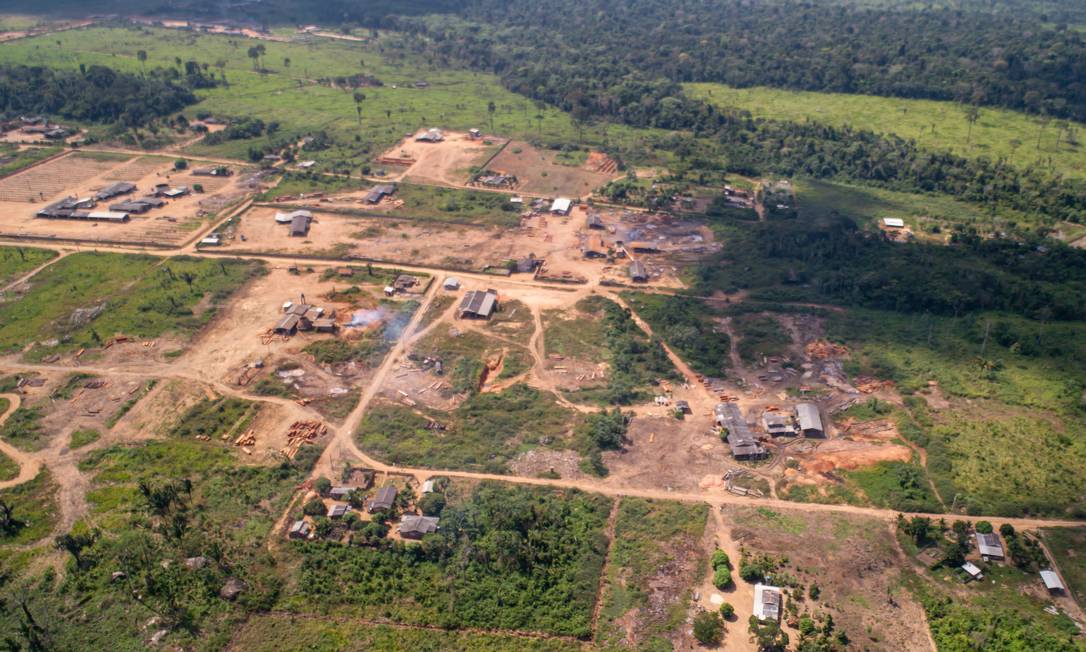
point(274, 633)
point(997, 133)
point(12, 159)
point(928, 216)
point(655, 558)
point(87, 298)
point(16, 261)
point(1068, 547)
point(483, 434)
point(292, 95)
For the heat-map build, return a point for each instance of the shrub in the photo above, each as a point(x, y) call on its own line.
point(983, 527)
point(180, 164)
point(720, 559)
point(1007, 530)
point(722, 578)
point(323, 485)
point(727, 611)
point(432, 503)
point(708, 628)
point(315, 507)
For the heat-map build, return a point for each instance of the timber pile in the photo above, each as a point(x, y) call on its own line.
point(248, 438)
point(300, 433)
point(821, 349)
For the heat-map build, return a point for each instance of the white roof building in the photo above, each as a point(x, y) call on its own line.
point(767, 602)
point(989, 546)
point(894, 222)
point(1052, 581)
point(212, 240)
point(562, 206)
point(974, 572)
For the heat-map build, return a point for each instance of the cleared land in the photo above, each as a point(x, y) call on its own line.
point(87, 299)
point(16, 261)
point(540, 172)
point(997, 133)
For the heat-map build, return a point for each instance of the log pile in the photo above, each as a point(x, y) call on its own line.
point(302, 432)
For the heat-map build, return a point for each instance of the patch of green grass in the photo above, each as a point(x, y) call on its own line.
point(34, 508)
point(295, 183)
point(1068, 548)
point(270, 633)
point(895, 485)
point(784, 522)
point(483, 434)
point(437, 307)
point(84, 437)
point(216, 418)
point(930, 217)
point(16, 261)
point(457, 205)
point(760, 335)
point(87, 298)
point(935, 125)
point(650, 536)
point(13, 160)
point(23, 429)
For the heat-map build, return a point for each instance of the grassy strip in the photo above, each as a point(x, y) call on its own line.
point(935, 125)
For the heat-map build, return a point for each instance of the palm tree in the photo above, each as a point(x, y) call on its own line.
point(490, 109)
point(971, 115)
point(142, 56)
point(359, 96)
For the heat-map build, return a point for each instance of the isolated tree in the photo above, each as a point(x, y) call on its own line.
point(142, 56)
point(972, 114)
point(490, 109)
point(708, 628)
point(8, 523)
point(75, 544)
point(286, 62)
point(254, 55)
point(359, 97)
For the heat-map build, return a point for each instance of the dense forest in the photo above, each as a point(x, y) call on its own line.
point(97, 93)
point(975, 57)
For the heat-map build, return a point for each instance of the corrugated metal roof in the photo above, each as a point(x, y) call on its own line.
point(808, 416)
point(1051, 580)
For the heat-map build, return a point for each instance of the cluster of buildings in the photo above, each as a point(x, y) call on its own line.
point(990, 548)
point(411, 526)
point(804, 420)
point(38, 126)
point(84, 208)
point(302, 316)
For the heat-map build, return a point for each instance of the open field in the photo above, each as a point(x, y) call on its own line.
point(656, 560)
point(16, 261)
point(276, 633)
point(13, 158)
point(1066, 546)
point(539, 172)
point(87, 299)
point(450, 162)
point(301, 99)
point(939, 126)
point(81, 174)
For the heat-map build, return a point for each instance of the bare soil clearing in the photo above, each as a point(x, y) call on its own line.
point(538, 173)
point(446, 163)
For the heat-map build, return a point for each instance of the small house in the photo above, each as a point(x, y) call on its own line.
point(893, 222)
point(212, 240)
point(451, 284)
point(404, 282)
point(1052, 582)
point(325, 325)
point(562, 206)
point(767, 602)
point(430, 136)
point(972, 571)
point(638, 272)
point(299, 530)
point(475, 134)
point(174, 193)
point(810, 421)
point(385, 499)
point(416, 527)
point(593, 221)
point(778, 424)
point(338, 511)
point(478, 304)
point(377, 193)
point(683, 406)
point(428, 487)
point(340, 493)
point(305, 165)
point(594, 247)
point(288, 325)
point(527, 265)
point(990, 547)
point(299, 226)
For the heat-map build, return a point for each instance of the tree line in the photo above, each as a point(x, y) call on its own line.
point(96, 93)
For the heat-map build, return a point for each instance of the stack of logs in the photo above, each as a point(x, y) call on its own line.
point(245, 440)
point(300, 433)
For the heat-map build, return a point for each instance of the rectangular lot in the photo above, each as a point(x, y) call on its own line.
point(82, 174)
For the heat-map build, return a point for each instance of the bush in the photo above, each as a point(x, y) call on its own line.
point(1007, 530)
point(720, 559)
point(432, 503)
point(983, 527)
point(323, 485)
point(708, 628)
point(727, 611)
point(722, 578)
point(180, 164)
point(315, 507)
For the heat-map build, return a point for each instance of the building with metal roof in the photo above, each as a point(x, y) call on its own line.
point(810, 421)
point(971, 569)
point(638, 272)
point(377, 193)
point(416, 527)
point(767, 602)
point(1052, 582)
point(593, 221)
point(299, 530)
point(115, 190)
point(779, 424)
point(894, 222)
point(562, 206)
point(989, 546)
point(299, 226)
point(385, 499)
point(478, 304)
point(741, 440)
